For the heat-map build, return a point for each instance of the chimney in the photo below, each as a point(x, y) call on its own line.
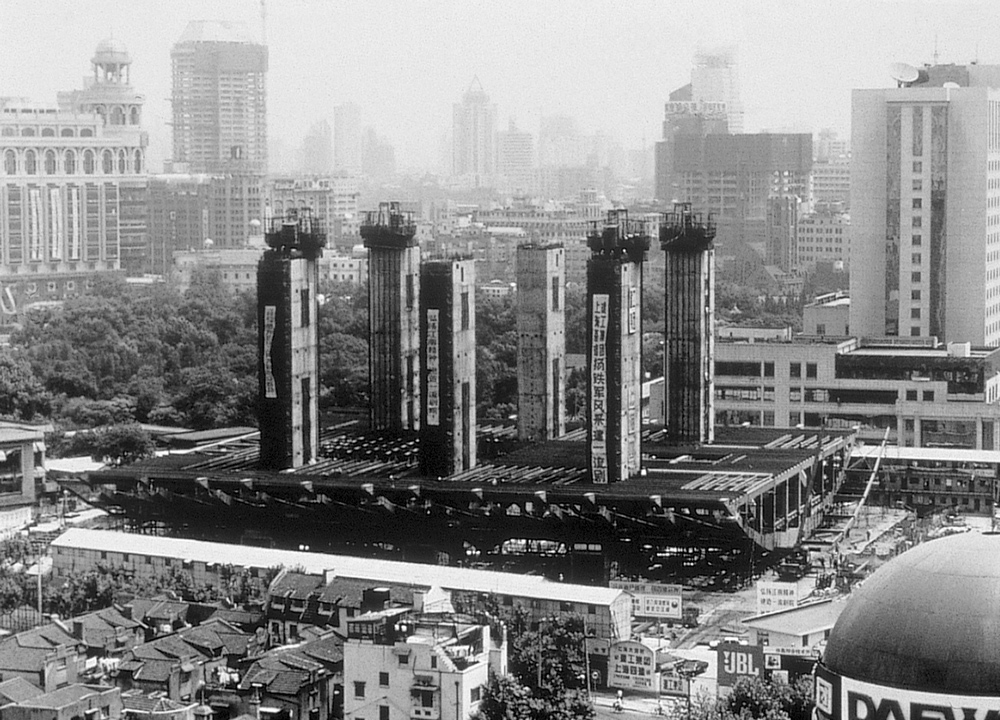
point(78, 629)
point(374, 599)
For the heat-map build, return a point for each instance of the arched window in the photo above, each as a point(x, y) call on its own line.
point(86, 132)
point(8, 132)
point(107, 162)
point(48, 132)
point(117, 115)
point(133, 115)
point(27, 132)
point(10, 162)
point(137, 162)
point(30, 163)
point(50, 162)
point(67, 132)
point(70, 163)
point(88, 162)
point(122, 162)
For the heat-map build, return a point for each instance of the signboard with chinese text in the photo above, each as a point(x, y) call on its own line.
point(632, 666)
point(433, 398)
point(599, 388)
point(652, 600)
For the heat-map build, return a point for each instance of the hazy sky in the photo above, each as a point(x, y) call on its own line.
point(609, 63)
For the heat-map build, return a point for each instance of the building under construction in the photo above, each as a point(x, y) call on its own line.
point(586, 505)
point(393, 318)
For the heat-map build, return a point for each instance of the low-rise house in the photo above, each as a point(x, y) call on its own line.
point(72, 702)
point(138, 706)
point(180, 664)
point(302, 680)
point(106, 634)
point(299, 600)
point(48, 657)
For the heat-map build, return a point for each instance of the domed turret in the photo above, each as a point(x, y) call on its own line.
point(111, 61)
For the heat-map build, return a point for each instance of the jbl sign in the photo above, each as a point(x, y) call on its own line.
point(736, 661)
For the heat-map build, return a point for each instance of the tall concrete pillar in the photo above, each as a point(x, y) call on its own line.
point(288, 341)
point(614, 349)
point(541, 341)
point(448, 362)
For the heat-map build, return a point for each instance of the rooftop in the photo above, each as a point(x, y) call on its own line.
point(379, 571)
point(800, 620)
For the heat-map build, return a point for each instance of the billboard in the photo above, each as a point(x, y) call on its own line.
point(776, 595)
point(739, 661)
point(632, 666)
point(652, 600)
point(843, 698)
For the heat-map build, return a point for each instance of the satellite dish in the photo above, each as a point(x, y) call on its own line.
point(903, 73)
point(950, 84)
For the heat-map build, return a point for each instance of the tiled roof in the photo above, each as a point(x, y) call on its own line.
point(17, 689)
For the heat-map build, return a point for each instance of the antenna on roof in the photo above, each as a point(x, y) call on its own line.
point(935, 47)
point(263, 22)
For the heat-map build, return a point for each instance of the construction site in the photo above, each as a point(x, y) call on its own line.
point(420, 479)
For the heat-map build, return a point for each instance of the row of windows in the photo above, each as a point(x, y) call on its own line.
point(71, 162)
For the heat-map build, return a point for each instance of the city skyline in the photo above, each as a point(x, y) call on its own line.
point(798, 61)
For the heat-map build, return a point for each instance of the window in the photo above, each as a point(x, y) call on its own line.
point(915, 313)
point(811, 370)
point(918, 185)
point(769, 369)
point(915, 277)
point(821, 328)
point(409, 292)
point(918, 221)
point(591, 609)
point(928, 396)
point(404, 660)
point(304, 306)
point(915, 258)
point(918, 203)
point(918, 167)
point(908, 422)
point(914, 294)
point(555, 293)
point(915, 331)
point(917, 240)
point(465, 311)
point(383, 679)
point(475, 694)
point(795, 370)
point(359, 690)
point(434, 662)
point(383, 712)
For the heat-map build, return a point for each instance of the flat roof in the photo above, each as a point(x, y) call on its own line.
point(381, 572)
point(800, 620)
point(929, 454)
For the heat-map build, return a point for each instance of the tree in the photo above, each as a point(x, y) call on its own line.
point(760, 699)
point(22, 397)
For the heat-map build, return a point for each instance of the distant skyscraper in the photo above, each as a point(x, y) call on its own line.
point(347, 139)
point(516, 161)
point(474, 137)
point(925, 206)
point(220, 120)
point(219, 99)
point(715, 78)
point(378, 158)
point(317, 150)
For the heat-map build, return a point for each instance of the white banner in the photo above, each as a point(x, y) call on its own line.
point(599, 389)
point(270, 387)
point(433, 398)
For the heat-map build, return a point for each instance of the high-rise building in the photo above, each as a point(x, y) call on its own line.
point(220, 121)
point(715, 78)
point(72, 186)
point(448, 366)
point(288, 341)
point(516, 161)
point(925, 206)
point(782, 231)
point(394, 319)
point(179, 211)
point(541, 341)
point(614, 350)
point(347, 139)
point(474, 137)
